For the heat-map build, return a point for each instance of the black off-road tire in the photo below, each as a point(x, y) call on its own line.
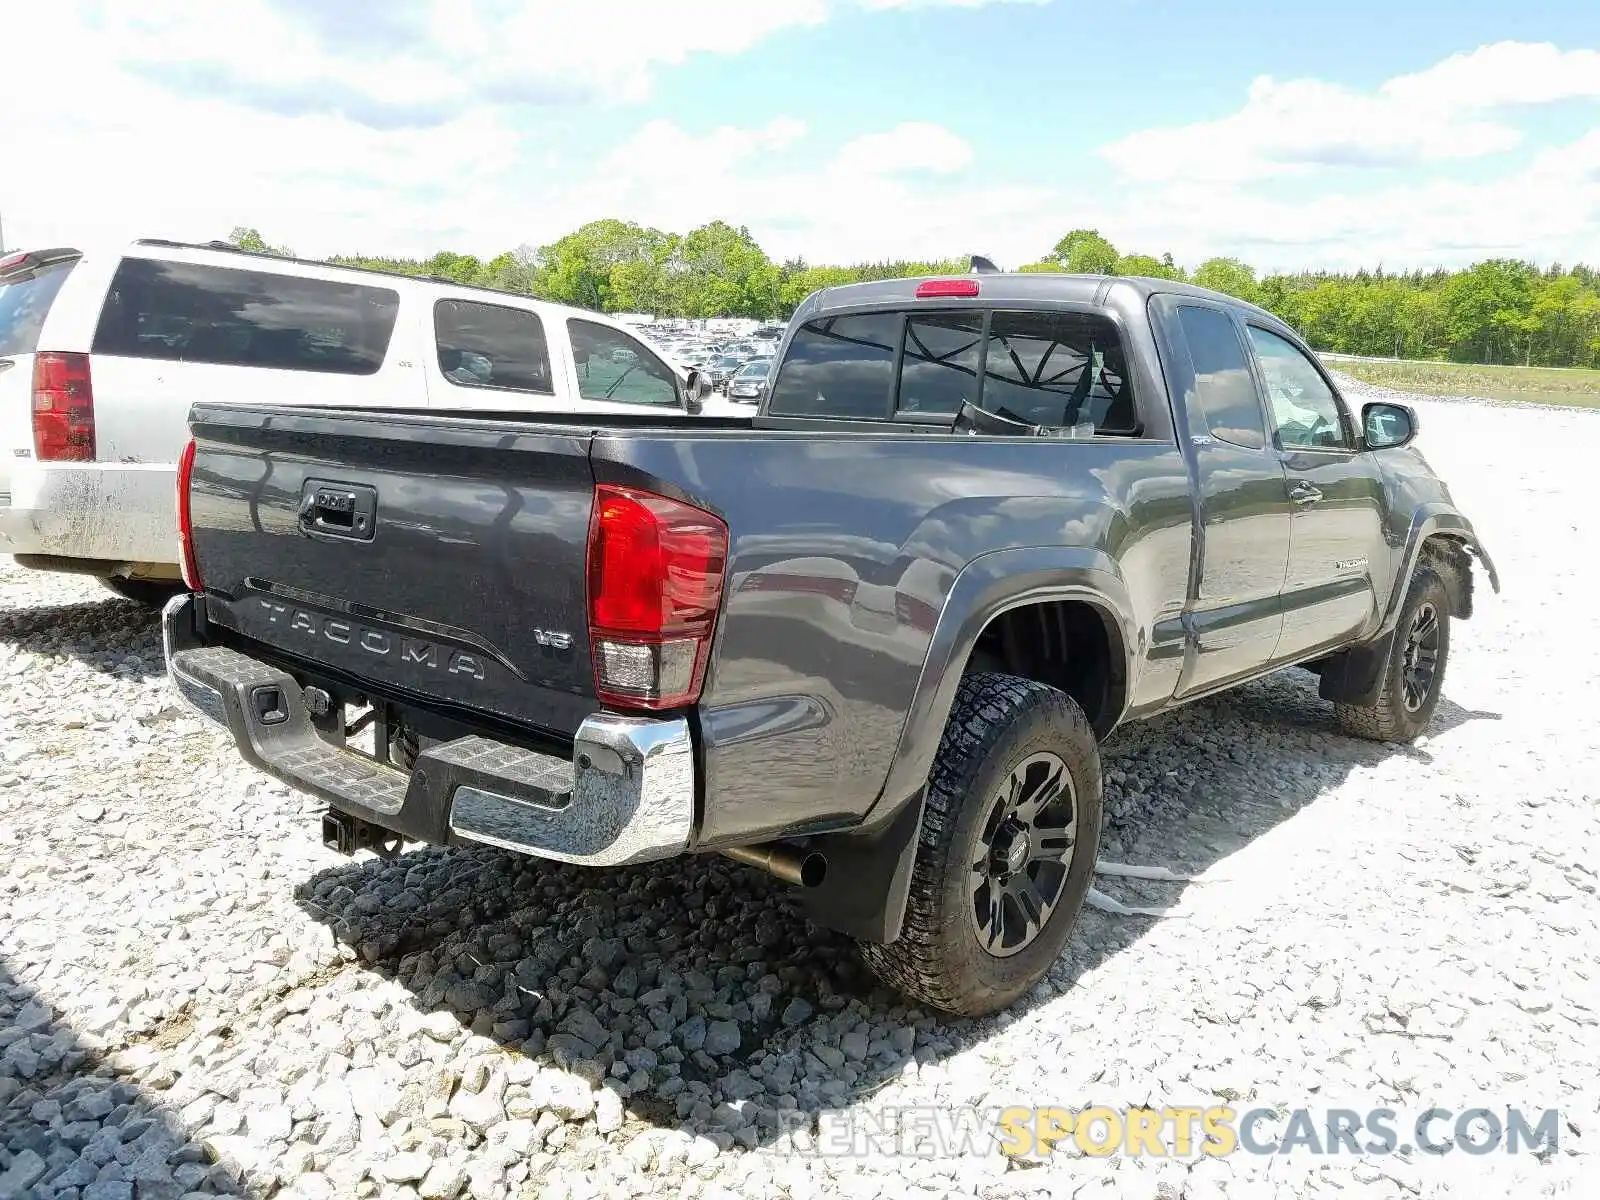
point(998, 721)
point(151, 592)
point(1389, 718)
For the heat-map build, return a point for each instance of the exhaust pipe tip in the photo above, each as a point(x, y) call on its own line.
point(813, 870)
point(803, 868)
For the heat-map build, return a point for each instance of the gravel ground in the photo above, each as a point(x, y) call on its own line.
point(197, 998)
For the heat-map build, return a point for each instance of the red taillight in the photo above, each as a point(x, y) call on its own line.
point(63, 408)
point(931, 289)
point(655, 584)
point(191, 568)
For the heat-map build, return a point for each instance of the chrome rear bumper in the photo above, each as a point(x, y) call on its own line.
point(626, 795)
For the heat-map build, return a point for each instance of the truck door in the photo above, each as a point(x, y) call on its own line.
point(1336, 497)
point(1242, 500)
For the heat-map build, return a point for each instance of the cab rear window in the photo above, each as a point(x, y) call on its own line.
point(185, 312)
point(839, 367)
point(1059, 370)
point(25, 299)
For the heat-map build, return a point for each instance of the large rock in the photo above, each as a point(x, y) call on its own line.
point(722, 1037)
point(484, 1108)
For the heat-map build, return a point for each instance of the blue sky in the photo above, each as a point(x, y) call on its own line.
point(1411, 134)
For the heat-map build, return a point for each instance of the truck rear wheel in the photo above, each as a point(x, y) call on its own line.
point(1005, 857)
point(1413, 675)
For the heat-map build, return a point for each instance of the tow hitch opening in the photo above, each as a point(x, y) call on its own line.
point(347, 834)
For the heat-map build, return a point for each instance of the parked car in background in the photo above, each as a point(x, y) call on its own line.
point(722, 369)
point(868, 640)
point(750, 380)
point(103, 352)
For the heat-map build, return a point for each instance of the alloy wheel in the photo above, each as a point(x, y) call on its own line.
point(1420, 658)
point(1023, 854)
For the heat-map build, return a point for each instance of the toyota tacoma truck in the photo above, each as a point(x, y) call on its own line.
point(867, 639)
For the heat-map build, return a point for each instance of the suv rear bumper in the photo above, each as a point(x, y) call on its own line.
point(626, 795)
point(119, 512)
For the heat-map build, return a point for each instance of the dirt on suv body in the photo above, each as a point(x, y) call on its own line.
point(867, 640)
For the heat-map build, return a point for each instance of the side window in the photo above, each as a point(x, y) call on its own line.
point(491, 346)
point(940, 367)
point(1225, 387)
point(185, 312)
point(1304, 408)
point(838, 367)
point(613, 366)
point(1058, 369)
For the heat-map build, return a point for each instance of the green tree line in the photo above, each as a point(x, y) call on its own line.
point(1497, 311)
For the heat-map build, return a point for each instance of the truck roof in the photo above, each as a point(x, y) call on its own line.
point(1011, 287)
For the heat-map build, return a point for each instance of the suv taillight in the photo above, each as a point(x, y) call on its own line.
point(655, 584)
point(63, 408)
point(191, 568)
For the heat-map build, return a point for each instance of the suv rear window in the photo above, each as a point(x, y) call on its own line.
point(24, 302)
point(491, 346)
point(185, 312)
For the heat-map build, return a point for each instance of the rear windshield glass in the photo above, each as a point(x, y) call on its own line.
point(839, 367)
point(23, 305)
point(1060, 370)
point(185, 312)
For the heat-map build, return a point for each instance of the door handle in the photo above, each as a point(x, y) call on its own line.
point(342, 510)
point(7, 363)
point(1304, 493)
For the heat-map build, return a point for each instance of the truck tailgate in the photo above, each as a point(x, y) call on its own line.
point(449, 568)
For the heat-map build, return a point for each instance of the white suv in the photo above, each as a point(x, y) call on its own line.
point(101, 355)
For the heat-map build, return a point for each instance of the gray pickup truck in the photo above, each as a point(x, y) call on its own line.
point(866, 640)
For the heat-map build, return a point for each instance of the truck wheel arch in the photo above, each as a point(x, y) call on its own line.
point(1441, 534)
point(1444, 540)
point(989, 587)
point(869, 898)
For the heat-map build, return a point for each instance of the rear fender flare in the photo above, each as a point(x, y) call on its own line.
point(870, 866)
point(988, 586)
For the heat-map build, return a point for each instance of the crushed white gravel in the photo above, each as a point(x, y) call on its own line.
point(196, 997)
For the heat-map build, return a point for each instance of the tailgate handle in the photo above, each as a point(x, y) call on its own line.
point(342, 510)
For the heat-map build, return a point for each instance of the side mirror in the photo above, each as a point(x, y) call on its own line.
point(1385, 426)
point(696, 387)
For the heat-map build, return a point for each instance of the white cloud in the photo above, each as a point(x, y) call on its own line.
point(1500, 76)
point(1546, 211)
point(857, 205)
point(406, 63)
point(1294, 127)
point(415, 62)
point(912, 146)
point(328, 145)
point(1210, 188)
